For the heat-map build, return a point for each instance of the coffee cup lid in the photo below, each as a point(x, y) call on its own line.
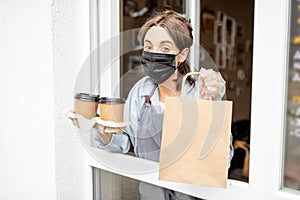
point(87, 97)
point(106, 100)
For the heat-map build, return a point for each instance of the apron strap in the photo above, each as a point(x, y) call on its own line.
point(147, 98)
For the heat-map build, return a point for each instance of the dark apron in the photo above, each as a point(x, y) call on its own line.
point(148, 147)
point(149, 131)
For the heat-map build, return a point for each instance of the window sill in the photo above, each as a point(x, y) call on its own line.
point(147, 171)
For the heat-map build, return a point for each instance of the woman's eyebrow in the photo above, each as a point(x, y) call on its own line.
point(166, 41)
point(148, 41)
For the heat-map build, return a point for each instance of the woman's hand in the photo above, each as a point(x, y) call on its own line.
point(211, 84)
point(105, 138)
point(105, 133)
point(109, 130)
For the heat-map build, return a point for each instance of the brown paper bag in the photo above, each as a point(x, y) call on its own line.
point(196, 141)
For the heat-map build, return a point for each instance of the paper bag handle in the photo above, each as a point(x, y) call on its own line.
point(185, 77)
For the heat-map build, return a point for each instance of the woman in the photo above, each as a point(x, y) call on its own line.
point(166, 38)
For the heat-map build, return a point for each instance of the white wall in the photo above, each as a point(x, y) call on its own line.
point(42, 46)
point(27, 169)
point(70, 50)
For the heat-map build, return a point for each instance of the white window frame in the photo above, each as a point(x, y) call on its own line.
point(267, 110)
point(102, 29)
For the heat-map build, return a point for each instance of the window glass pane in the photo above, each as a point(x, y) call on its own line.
point(108, 185)
point(291, 177)
point(112, 186)
point(230, 45)
point(227, 34)
point(133, 16)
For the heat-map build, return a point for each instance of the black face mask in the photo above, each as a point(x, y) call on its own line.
point(158, 66)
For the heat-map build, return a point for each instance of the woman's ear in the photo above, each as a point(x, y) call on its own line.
point(183, 55)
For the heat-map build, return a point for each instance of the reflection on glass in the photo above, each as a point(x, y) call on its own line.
point(292, 143)
point(291, 178)
point(134, 15)
point(108, 185)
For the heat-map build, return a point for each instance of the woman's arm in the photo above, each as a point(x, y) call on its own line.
point(122, 142)
point(105, 138)
point(111, 142)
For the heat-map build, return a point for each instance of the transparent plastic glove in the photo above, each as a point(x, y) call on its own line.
point(108, 130)
point(81, 122)
point(211, 84)
point(74, 122)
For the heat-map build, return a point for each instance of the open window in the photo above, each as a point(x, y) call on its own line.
point(221, 28)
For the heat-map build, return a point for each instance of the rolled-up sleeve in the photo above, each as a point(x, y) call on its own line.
point(121, 143)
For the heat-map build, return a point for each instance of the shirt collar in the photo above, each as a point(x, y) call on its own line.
point(146, 86)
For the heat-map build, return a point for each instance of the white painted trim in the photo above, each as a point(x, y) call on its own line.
point(193, 13)
point(235, 188)
point(105, 46)
point(88, 181)
point(268, 90)
point(109, 23)
point(94, 43)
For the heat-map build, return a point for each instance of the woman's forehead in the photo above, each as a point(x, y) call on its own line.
point(158, 35)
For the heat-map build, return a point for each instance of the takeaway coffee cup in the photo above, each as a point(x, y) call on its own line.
point(86, 105)
point(111, 109)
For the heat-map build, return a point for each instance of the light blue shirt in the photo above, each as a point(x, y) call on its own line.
point(133, 106)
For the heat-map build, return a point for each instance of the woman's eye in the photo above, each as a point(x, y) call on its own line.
point(165, 49)
point(147, 47)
